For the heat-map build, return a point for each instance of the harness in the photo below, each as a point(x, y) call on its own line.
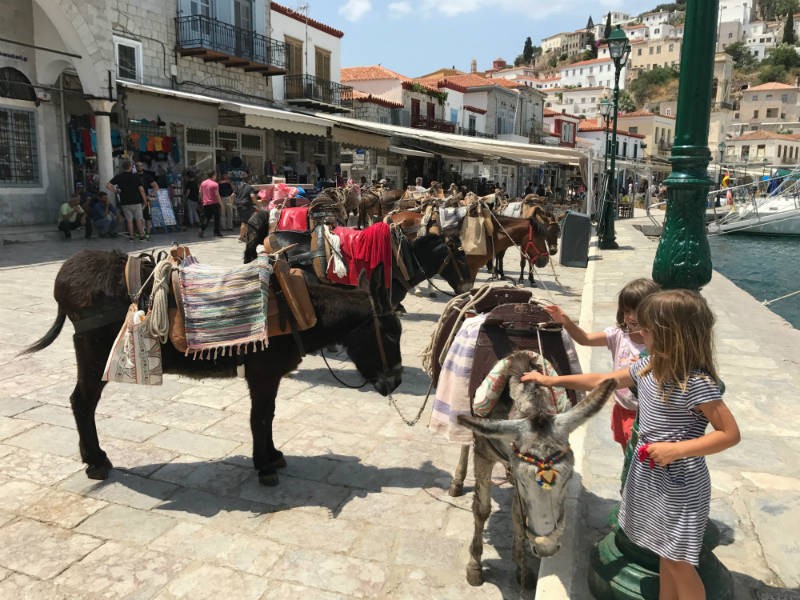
point(533, 257)
point(546, 475)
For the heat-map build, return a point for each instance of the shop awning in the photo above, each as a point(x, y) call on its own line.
point(150, 103)
point(410, 151)
point(359, 139)
point(526, 154)
point(280, 120)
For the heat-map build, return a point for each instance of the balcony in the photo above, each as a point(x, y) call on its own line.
point(474, 133)
point(215, 41)
point(420, 122)
point(313, 92)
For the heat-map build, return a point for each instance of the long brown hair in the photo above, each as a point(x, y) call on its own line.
point(632, 295)
point(681, 327)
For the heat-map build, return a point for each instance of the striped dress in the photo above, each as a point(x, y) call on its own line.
point(665, 509)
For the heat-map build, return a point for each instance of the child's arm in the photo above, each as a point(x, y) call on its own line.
point(725, 434)
point(584, 381)
point(575, 332)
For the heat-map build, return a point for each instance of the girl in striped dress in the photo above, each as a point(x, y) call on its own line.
point(665, 500)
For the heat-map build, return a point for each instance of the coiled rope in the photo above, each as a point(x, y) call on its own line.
point(158, 319)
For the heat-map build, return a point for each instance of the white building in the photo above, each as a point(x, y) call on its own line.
point(591, 73)
point(581, 101)
point(740, 11)
point(761, 37)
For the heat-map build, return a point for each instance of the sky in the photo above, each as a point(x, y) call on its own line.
point(416, 37)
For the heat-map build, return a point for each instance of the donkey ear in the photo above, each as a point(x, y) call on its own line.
point(506, 430)
point(570, 420)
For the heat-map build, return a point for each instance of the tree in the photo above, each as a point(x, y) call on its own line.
point(607, 30)
point(648, 82)
point(742, 57)
point(788, 30)
point(783, 56)
point(769, 10)
point(626, 103)
point(527, 51)
point(772, 73)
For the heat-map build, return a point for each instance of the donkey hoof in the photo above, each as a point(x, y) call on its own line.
point(279, 462)
point(268, 479)
point(99, 472)
point(456, 489)
point(475, 576)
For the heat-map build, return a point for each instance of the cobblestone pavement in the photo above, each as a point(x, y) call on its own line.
point(362, 509)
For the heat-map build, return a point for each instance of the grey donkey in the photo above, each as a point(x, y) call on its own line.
point(525, 434)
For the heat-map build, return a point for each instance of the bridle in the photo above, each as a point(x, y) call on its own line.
point(451, 258)
point(537, 252)
point(546, 475)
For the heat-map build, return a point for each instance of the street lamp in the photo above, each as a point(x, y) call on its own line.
point(619, 49)
point(605, 112)
point(721, 147)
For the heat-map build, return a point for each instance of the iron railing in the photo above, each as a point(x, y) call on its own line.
point(199, 31)
point(309, 87)
point(420, 122)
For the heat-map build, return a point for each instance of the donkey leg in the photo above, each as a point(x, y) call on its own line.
point(518, 552)
point(457, 483)
point(522, 264)
point(91, 351)
point(481, 508)
point(263, 390)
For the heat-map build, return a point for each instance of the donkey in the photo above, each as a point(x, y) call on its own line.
point(544, 221)
point(523, 433)
point(425, 257)
point(90, 289)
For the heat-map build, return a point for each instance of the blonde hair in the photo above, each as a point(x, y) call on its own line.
point(681, 325)
point(632, 295)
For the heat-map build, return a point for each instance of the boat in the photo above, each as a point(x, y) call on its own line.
point(758, 211)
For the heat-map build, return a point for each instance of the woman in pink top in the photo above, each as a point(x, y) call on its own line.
point(209, 196)
point(626, 344)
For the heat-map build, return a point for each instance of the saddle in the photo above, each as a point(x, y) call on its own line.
point(518, 326)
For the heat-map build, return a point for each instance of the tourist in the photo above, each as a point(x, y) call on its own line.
point(246, 203)
point(666, 496)
point(104, 216)
point(71, 216)
point(624, 340)
point(226, 202)
point(418, 187)
point(528, 189)
point(209, 195)
point(131, 197)
point(192, 195)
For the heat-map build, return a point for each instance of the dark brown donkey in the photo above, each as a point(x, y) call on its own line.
point(90, 290)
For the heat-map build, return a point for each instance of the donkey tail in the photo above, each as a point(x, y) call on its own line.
point(49, 337)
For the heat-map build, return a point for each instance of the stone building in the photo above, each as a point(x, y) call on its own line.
point(181, 84)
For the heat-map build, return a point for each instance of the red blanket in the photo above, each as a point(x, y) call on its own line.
point(293, 219)
point(364, 249)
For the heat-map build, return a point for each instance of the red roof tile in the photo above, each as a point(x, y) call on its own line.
point(379, 100)
point(372, 73)
point(303, 19)
point(771, 86)
point(480, 111)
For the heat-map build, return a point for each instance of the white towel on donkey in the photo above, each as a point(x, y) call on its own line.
point(452, 393)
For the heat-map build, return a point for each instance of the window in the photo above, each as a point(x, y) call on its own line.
point(784, 98)
point(760, 150)
point(624, 148)
point(639, 52)
point(672, 47)
point(745, 152)
point(633, 129)
point(772, 113)
point(198, 137)
point(415, 105)
point(322, 63)
point(19, 154)
point(129, 58)
point(472, 123)
point(755, 114)
point(454, 115)
point(294, 56)
point(754, 98)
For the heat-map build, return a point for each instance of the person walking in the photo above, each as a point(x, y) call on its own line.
point(131, 197)
point(226, 202)
point(667, 494)
point(246, 205)
point(192, 195)
point(209, 196)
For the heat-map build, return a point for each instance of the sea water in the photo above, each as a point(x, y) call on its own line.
point(766, 267)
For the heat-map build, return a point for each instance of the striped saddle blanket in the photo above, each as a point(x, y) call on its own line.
point(225, 309)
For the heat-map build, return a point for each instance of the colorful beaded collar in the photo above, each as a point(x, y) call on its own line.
point(546, 475)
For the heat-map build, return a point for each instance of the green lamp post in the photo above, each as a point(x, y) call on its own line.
point(619, 49)
point(620, 570)
point(605, 112)
point(683, 259)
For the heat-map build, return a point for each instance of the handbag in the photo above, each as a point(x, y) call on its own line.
point(135, 356)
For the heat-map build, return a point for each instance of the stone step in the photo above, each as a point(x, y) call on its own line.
point(32, 233)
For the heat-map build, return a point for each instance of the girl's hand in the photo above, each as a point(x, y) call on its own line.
point(664, 453)
point(556, 313)
point(536, 377)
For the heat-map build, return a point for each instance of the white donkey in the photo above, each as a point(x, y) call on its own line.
point(532, 441)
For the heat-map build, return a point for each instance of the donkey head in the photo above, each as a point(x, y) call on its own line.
point(536, 446)
point(548, 227)
point(444, 255)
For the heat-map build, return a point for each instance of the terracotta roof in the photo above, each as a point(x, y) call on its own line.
point(766, 135)
point(297, 16)
point(480, 111)
point(379, 100)
point(589, 125)
point(373, 73)
point(548, 112)
point(771, 86)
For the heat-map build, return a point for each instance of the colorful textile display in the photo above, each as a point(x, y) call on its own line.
point(161, 211)
point(225, 308)
point(364, 249)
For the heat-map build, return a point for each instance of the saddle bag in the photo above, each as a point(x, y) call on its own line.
point(511, 327)
point(289, 308)
point(473, 235)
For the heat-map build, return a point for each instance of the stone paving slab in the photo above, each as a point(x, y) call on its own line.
point(362, 509)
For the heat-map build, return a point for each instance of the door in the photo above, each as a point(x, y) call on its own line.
point(203, 11)
point(243, 21)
